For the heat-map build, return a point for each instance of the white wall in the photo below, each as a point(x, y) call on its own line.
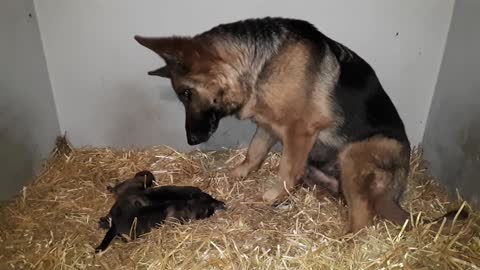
point(452, 136)
point(104, 96)
point(28, 120)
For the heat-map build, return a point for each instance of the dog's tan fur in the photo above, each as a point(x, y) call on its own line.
point(281, 107)
point(284, 80)
point(285, 111)
point(373, 172)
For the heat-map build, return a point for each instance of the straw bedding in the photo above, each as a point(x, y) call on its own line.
point(53, 222)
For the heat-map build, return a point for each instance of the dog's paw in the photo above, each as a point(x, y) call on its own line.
point(240, 171)
point(274, 195)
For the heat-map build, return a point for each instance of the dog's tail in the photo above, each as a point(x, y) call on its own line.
point(449, 219)
point(395, 213)
point(392, 172)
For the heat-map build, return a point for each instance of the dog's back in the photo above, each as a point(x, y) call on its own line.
point(363, 109)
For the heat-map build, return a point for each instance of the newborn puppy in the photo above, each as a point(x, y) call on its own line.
point(140, 181)
point(135, 214)
point(159, 195)
point(166, 193)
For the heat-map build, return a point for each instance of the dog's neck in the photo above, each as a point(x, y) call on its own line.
point(245, 64)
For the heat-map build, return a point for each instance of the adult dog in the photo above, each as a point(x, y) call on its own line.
point(322, 101)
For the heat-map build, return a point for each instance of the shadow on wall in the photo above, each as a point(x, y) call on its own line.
point(18, 164)
point(469, 163)
point(144, 117)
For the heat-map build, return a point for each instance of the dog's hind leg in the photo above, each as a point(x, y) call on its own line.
point(261, 143)
point(360, 207)
point(388, 208)
point(373, 176)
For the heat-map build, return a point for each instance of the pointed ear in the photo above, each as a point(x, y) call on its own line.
point(171, 49)
point(175, 51)
point(182, 55)
point(162, 72)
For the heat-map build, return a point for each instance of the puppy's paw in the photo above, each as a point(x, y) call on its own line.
point(104, 223)
point(110, 188)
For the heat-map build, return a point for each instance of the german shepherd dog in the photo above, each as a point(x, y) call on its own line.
point(322, 101)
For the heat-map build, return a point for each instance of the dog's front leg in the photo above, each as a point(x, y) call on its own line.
point(297, 143)
point(261, 143)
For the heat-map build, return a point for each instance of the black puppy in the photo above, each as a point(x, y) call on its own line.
point(158, 195)
point(141, 181)
point(136, 214)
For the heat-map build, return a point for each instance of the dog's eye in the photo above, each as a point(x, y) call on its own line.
point(187, 93)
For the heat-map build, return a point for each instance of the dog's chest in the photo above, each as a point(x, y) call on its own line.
point(330, 137)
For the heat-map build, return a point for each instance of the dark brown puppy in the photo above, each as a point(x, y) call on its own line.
point(140, 181)
point(317, 97)
point(136, 214)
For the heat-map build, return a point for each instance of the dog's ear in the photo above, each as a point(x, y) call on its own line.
point(162, 72)
point(175, 51)
point(181, 54)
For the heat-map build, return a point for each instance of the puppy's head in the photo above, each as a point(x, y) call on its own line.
point(203, 79)
point(146, 178)
point(218, 205)
point(141, 181)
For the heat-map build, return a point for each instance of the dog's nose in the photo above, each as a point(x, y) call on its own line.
point(193, 140)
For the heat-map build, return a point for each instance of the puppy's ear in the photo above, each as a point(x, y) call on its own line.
point(140, 202)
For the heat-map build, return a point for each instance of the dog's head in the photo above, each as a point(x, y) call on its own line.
point(203, 80)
